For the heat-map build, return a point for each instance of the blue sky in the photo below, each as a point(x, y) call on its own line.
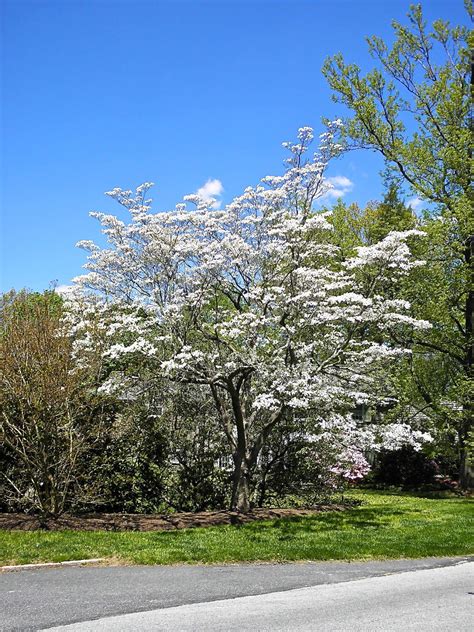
point(106, 93)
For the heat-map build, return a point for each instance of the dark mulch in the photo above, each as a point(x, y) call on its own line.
point(152, 522)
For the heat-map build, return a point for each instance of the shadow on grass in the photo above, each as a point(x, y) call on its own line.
point(369, 517)
point(379, 518)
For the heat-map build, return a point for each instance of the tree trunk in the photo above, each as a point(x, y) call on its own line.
point(241, 487)
point(466, 478)
point(262, 491)
point(466, 471)
point(245, 455)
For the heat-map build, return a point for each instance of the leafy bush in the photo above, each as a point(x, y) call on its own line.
point(405, 467)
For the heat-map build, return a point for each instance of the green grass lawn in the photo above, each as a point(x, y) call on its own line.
point(386, 525)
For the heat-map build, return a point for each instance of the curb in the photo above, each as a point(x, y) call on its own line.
point(28, 567)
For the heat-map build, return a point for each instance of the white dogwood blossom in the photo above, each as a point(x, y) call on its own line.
point(252, 301)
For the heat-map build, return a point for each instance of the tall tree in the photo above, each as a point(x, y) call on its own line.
point(414, 108)
point(253, 303)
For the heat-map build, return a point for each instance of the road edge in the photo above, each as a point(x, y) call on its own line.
point(25, 567)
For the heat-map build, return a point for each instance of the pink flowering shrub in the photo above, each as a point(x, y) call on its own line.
point(350, 468)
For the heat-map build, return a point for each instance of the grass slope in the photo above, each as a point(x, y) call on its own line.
point(386, 525)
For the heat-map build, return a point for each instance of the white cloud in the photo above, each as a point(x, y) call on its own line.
point(415, 204)
point(340, 185)
point(211, 190)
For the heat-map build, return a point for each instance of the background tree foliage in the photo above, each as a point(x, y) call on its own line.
point(415, 109)
point(47, 404)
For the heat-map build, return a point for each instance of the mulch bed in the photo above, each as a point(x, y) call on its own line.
point(152, 522)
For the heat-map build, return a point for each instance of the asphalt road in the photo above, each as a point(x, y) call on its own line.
point(429, 594)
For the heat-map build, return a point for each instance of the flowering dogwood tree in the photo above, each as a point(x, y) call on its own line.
point(252, 302)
